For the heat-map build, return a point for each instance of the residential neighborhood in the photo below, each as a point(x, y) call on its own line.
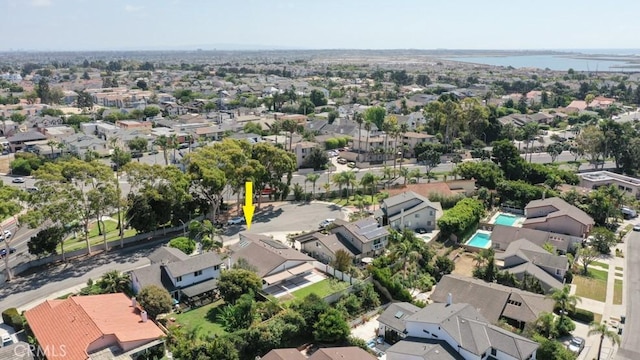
point(317, 204)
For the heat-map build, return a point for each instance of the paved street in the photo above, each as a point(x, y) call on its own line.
point(35, 286)
point(630, 347)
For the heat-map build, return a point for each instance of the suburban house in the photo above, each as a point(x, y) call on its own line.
point(596, 179)
point(273, 261)
point(556, 215)
point(79, 144)
point(524, 257)
point(323, 247)
point(184, 277)
point(502, 236)
point(372, 147)
point(331, 353)
point(458, 331)
point(367, 236)
point(18, 140)
point(520, 120)
point(392, 324)
point(98, 326)
point(493, 301)
point(409, 210)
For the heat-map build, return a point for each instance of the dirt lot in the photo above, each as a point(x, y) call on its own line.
point(464, 265)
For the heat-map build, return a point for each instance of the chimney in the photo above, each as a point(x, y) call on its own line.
point(133, 302)
point(449, 299)
point(143, 315)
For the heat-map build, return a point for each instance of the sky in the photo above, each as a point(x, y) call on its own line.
point(66, 25)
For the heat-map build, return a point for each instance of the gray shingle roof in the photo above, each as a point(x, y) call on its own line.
point(193, 264)
point(530, 252)
point(472, 332)
point(395, 315)
point(26, 136)
point(284, 354)
point(504, 235)
point(166, 254)
point(258, 252)
point(428, 349)
point(153, 275)
point(563, 208)
point(491, 299)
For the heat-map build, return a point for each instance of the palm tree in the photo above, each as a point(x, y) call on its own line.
point(415, 174)
point(350, 180)
point(367, 126)
point(359, 119)
point(404, 172)
point(163, 142)
point(276, 127)
point(402, 130)
point(404, 253)
point(339, 180)
point(312, 177)
point(114, 281)
point(52, 144)
point(173, 143)
point(603, 330)
point(371, 180)
point(290, 126)
point(564, 300)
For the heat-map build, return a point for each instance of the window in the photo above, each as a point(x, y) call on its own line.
point(429, 223)
point(494, 352)
point(430, 212)
point(197, 273)
point(179, 278)
point(216, 267)
point(416, 216)
point(557, 271)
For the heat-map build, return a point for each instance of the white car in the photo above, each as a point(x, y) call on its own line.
point(326, 222)
point(7, 235)
point(235, 221)
point(6, 339)
point(576, 345)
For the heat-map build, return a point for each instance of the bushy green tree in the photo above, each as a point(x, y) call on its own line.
point(155, 300)
point(234, 283)
point(183, 244)
point(331, 327)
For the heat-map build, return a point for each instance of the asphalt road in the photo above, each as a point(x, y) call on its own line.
point(29, 287)
point(630, 347)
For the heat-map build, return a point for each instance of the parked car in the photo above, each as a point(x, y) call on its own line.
point(326, 222)
point(235, 221)
point(421, 230)
point(18, 180)
point(32, 189)
point(351, 164)
point(636, 227)
point(576, 345)
point(342, 161)
point(7, 234)
point(3, 252)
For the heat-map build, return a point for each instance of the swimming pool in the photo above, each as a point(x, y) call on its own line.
point(505, 219)
point(481, 239)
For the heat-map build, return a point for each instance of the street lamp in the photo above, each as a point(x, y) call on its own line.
point(184, 228)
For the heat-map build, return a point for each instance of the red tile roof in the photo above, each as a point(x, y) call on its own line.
point(79, 321)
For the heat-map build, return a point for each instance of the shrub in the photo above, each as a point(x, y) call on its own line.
point(12, 317)
point(397, 291)
point(183, 244)
point(581, 315)
point(447, 202)
point(461, 217)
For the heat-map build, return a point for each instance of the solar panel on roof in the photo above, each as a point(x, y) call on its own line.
point(243, 243)
point(275, 244)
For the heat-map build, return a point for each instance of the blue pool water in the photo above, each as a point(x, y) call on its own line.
point(480, 240)
point(504, 219)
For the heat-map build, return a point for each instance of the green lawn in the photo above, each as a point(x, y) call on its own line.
point(600, 264)
point(323, 288)
point(617, 292)
point(78, 243)
point(591, 287)
point(619, 268)
point(619, 274)
point(202, 319)
point(599, 275)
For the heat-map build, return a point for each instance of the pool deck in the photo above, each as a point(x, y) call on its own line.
point(518, 223)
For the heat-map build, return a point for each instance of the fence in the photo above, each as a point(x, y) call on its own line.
point(328, 269)
point(136, 239)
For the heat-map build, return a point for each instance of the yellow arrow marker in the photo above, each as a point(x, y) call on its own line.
point(248, 207)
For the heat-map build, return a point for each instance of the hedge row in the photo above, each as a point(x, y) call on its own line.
point(461, 217)
point(12, 317)
point(397, 291)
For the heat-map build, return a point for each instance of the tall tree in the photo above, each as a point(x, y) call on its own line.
point(602, 330)
point(313, 178)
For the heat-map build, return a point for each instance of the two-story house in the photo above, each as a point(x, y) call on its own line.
point(273, 261)
point(556, 215)
point(302, 150)
point(366, 236)
point(524, 257)
point(79, 144)
point(411, 139)
point(409, 210)
point(458, 331)
point(183, 276)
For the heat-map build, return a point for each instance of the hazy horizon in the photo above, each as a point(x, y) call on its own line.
point(143, 25)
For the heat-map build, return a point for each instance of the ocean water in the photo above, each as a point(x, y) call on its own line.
point(556, 62)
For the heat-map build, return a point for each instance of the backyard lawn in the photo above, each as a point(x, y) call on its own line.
point(592, 287)
point(202, 319)
point(323, 288)
point(600, 264)
point(617, 292)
